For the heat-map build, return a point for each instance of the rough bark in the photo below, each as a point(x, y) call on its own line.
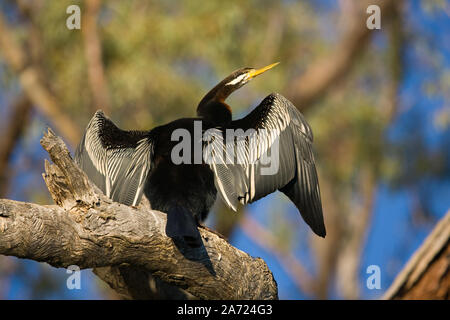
point(427, 273)
point(127, 244)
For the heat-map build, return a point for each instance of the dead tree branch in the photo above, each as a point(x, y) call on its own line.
point(89, 230)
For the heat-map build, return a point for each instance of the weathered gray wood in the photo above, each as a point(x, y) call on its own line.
point(91, 231)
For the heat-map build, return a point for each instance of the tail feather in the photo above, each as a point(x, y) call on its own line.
point(181, 224)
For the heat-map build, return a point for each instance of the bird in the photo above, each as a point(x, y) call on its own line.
point(129, 164)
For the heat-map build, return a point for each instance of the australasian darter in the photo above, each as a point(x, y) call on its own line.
point(128, 164)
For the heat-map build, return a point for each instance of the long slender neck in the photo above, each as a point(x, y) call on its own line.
point(213, 107)
point(219, 93)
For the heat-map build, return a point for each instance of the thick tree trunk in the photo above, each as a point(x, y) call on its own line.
point(427, 273)
point(127, 245)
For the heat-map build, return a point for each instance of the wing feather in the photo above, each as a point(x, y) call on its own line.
point(279, 127)
point(117, 161)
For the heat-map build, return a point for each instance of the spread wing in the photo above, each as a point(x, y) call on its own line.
point(115, 160)
point(272, 151)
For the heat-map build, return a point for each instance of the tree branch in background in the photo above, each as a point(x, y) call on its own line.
point(272, 38)
point(395, 61)
point(291, 265)
point(326, 71)
point(93, 55)
point(349, 258)
point(89, 230)
point(14, 128)
point(427, 273)
point(327, 252)
point(30, 78)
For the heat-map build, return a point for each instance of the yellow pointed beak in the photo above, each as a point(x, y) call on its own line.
point(257, 72)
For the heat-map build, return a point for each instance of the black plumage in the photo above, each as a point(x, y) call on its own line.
point(127, 164)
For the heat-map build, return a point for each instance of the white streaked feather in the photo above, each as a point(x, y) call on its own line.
point(249, 151)
point(118, 166)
